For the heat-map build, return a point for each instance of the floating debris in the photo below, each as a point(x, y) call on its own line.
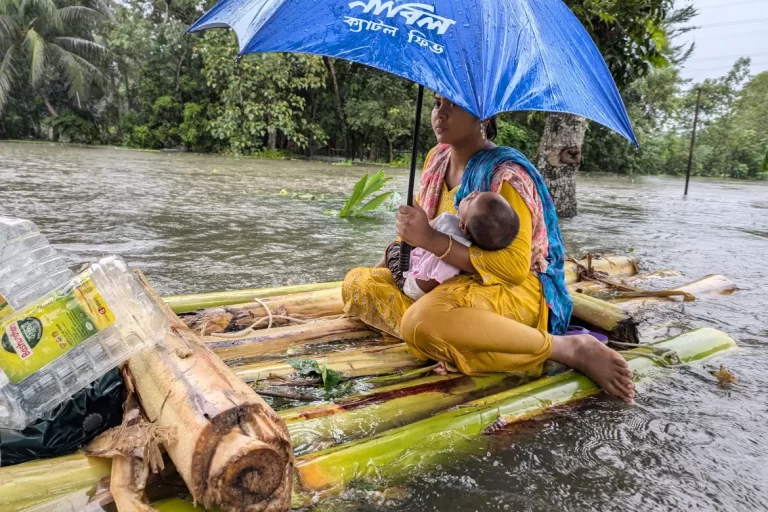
point(724, 377)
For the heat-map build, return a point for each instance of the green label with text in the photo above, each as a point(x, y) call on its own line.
point(50, 327)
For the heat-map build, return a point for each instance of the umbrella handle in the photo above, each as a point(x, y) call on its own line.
point(405, 249)
point(405, 257)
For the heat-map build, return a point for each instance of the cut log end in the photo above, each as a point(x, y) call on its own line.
point(233, 451)
point(247, 474)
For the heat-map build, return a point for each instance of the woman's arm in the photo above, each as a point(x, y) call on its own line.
point(510, 265)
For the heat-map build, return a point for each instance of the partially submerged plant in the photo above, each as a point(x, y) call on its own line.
point(367, 186)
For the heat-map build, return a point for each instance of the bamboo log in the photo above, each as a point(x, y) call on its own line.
point(188, 303)
point(319, 427)
point(351, 364)
point(25, 485)
point(617, 266)
point(232, 450)
point(609, 317)
point(421, 446)
point(278, 340)
point(307, 305)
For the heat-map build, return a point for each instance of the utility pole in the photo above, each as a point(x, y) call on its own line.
point(693, 142)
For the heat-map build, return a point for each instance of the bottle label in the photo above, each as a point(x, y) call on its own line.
point(52, 326)
point(5, 308)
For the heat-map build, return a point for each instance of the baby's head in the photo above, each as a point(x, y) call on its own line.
point(489, 220)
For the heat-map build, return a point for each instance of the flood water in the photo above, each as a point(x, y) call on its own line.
point(203, 223)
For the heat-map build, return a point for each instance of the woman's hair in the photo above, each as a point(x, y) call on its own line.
point(491, 129)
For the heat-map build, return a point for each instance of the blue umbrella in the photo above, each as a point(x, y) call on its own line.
point(487, 56)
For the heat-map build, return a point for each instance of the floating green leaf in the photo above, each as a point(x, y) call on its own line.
point(311, 368)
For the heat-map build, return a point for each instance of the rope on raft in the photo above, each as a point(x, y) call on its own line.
point(251, 328)
point(588, 273)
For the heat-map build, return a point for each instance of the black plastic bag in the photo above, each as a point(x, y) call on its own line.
point(69, 426)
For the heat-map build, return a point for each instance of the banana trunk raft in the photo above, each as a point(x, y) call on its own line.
point(357, 407)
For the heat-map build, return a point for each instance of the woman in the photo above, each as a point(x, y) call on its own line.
point(493, 317)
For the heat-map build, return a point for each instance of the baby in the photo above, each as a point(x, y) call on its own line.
point(485, 219)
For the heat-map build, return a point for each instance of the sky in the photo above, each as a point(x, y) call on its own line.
point(728, 29)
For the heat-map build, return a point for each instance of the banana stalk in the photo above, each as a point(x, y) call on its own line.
point(446, 437)
point(607, 316)
point(711, 284)
point(351, 364)
point(231, 449)
point(317, 427)
point(615, 266)
point(32, 483)
point(302, 306)
point(277, 341)
point(187, 303)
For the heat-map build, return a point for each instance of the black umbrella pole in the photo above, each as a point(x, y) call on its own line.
point(405, 249)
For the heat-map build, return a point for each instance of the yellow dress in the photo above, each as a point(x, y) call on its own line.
point(493, 321)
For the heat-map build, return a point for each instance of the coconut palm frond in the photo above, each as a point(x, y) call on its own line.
point(9, 27)
point(35, 46)
point(79, 46)
point(45, 11)
point(8, 6)
point(91, 73)
point(78, 71)
point(7, 75)
point(71, 69)
point(79, 14)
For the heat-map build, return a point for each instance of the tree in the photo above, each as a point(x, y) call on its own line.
point(632, 36)
point(653, 104)
point(261, 96)
point(154, 59)
point(47, 43)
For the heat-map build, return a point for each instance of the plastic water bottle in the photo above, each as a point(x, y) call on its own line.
point(61, 342)
point(29, 266)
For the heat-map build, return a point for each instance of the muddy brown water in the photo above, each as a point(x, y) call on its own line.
point(201, 223)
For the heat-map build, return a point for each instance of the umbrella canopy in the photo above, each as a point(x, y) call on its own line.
point(487, 56)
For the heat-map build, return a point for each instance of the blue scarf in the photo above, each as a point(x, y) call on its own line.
point(478, 176)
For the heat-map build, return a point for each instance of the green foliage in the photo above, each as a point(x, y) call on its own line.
point(85, 73)
point(727, 144)
point(70, 127)
point(273, 154)
point(261, 97)
point(632, 35)
point(367, 186)
point(310, 368)
point(48, 48)
point(517, 134)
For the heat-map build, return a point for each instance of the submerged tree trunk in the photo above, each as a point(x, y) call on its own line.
point(337, 102)
point(559, 158)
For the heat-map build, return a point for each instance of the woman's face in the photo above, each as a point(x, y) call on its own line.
point(452, 124)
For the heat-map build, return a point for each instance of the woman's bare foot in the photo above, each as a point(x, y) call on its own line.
point(605, 366)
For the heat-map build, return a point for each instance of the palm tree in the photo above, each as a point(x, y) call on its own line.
point(48, 41)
